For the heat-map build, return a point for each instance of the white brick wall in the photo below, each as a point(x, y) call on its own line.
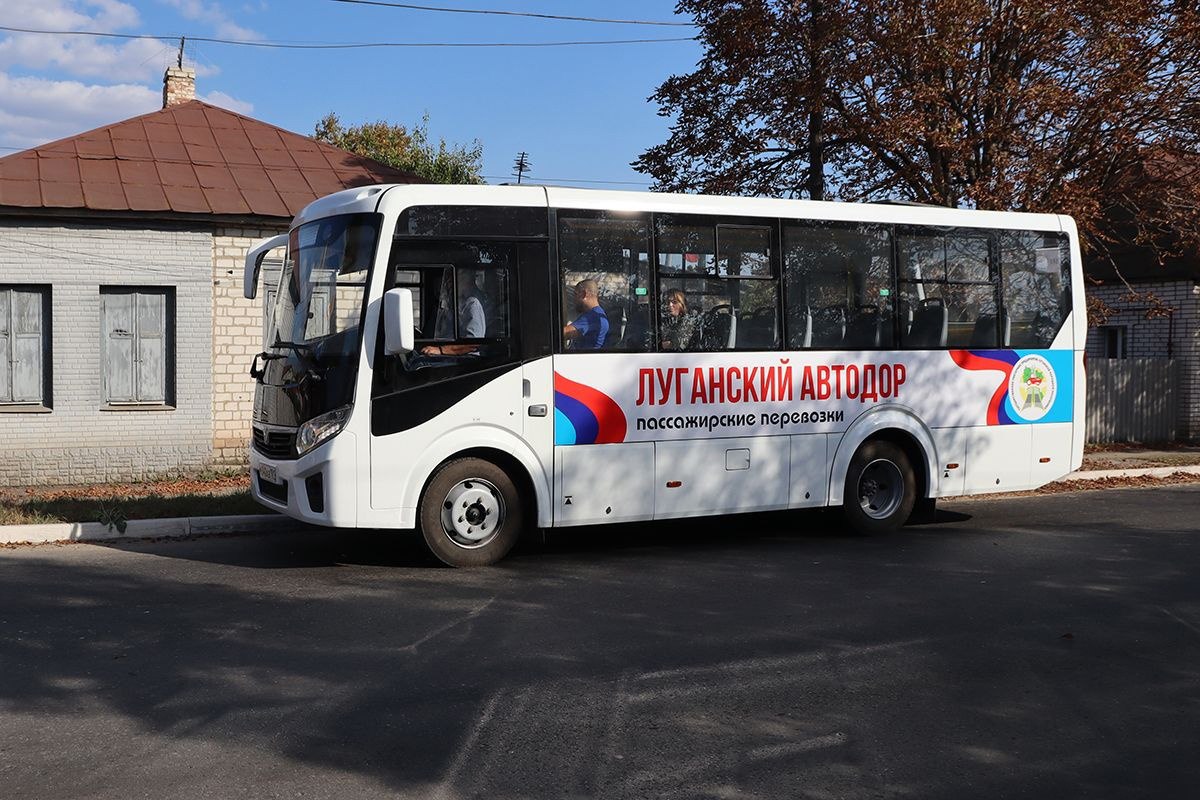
point(237, 336)
point(79, 441)
point(1177, 336)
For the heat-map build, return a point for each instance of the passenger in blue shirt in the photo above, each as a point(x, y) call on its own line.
point(590, 329)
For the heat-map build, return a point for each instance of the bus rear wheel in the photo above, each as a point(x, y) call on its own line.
point(471, 513)
point(880, 488)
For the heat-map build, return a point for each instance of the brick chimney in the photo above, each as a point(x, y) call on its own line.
point(179, 86)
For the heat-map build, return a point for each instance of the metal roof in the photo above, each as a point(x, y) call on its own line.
point(192, 158)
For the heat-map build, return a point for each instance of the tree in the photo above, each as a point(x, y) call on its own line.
point(1072, 106)
point(407, 149)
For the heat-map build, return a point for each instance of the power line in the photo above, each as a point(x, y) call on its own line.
point(414, 7)
point(344, 45)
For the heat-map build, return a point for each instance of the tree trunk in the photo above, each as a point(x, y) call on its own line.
point(815, 185)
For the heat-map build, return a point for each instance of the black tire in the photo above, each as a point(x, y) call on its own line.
point(880, 488)
point(461, 502)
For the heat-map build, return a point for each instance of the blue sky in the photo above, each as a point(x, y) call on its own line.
point(580, 112)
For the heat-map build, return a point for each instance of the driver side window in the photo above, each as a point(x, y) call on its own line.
point(461, 311)
point(455, 303)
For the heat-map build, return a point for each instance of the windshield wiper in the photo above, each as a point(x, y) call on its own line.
point(298, 348)
point(255, 371)
point(301, 350)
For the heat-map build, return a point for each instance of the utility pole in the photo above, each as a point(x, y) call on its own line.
point(522, 165)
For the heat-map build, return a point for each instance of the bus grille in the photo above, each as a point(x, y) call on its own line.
point(275, 444)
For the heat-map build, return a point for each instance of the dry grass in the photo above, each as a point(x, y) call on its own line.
point(203, 495)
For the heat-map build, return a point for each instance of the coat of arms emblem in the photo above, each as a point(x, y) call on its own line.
point(1032, 387)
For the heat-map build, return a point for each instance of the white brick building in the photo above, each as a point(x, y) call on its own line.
point(1160, 320)
point(124, 336)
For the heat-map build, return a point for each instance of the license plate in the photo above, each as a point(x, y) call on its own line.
point(268, 473)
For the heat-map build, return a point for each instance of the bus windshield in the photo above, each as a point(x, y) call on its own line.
point(323, 283)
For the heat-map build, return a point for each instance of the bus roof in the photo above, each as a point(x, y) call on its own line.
point(373, 197)
point(794, 209)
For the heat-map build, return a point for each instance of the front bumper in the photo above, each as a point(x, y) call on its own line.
point(319, 488)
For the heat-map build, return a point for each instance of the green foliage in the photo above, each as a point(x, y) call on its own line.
point(111, 515)
point(407, 149)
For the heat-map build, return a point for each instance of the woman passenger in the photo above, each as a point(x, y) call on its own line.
point(677, 323)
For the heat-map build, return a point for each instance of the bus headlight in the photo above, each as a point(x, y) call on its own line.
point(320, 429)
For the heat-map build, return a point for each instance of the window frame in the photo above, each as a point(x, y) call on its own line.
point(392, 381)
point(44, 404)
point(992, 235)
point(774, 258)
point(168, 293)
point(786, 293)
point(1067, 303)
point(559, 288)
point(892, 276)
point(1119, 337)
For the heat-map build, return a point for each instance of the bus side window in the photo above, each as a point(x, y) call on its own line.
point(461, 311)
point(839, 286)
point(1036, 275)
point(724, 274)
point(948, 290)
point(410, 279)
point(604, 275)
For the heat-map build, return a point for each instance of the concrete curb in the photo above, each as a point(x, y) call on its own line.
point(170, 528)
point(1149, 472)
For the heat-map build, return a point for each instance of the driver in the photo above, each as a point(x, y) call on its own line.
point(472, 322)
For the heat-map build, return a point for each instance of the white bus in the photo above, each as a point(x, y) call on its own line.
point(471, 361)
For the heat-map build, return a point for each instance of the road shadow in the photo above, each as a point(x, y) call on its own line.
point(312, 547)
point(694, 662)
point(943, 516)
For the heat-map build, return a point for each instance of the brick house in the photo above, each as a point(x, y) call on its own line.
point(1161, 320)
point(124, 336)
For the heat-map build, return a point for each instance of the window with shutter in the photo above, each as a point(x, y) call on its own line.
point(6, 365)
point(24, 345)
point(137, 332)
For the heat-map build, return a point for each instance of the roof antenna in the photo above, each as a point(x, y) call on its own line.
point(179, 61)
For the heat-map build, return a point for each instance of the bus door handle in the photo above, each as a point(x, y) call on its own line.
point(539, 410)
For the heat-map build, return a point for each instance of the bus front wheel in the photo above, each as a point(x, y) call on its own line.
point(471, 513)
point(880, 488)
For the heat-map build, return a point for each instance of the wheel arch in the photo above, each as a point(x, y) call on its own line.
point(894, 423)
point(501, 458)
point(498, 446)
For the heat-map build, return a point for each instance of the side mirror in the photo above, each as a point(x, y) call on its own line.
point(254, 260)
point(397, 321)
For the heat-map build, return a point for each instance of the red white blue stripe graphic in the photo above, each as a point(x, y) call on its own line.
point(583, 415)
point(1000, 360)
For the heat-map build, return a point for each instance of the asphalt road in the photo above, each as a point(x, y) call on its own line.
point(1028, 647)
